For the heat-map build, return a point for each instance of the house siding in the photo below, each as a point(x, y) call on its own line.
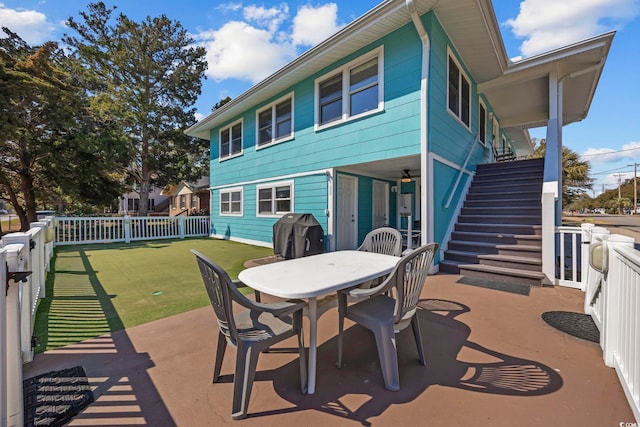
point(390, 133)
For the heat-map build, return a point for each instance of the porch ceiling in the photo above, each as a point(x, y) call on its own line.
point(390, 169)
point(579, 68)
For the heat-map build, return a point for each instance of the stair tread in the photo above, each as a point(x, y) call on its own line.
point(502, 235)
point(503, 271)
point(512, 258)
point(495, 245)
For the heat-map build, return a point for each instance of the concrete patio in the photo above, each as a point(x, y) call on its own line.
point(491, 361)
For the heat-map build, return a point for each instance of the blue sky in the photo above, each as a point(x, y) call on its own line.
point(272, 33)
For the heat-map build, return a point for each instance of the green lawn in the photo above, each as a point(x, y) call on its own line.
point(96, 289)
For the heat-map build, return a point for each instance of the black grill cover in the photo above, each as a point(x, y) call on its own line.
point(296, 235)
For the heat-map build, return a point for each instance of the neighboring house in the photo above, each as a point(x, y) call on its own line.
point(189, 198)
point(402, 101)
point(130, 203)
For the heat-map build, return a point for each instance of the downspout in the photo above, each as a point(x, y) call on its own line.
point(426, 181)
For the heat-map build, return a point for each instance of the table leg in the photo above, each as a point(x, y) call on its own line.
point(313, 331)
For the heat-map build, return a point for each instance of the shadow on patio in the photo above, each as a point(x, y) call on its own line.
point(79, 308)
point(491, 360)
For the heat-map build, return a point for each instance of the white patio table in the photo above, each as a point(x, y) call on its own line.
point(313, 276)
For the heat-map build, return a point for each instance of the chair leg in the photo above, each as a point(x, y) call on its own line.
point(415, 325)
point(246, 362)
point(387, 353)
point(303, 362)
point(222, 346)
point(342, 308)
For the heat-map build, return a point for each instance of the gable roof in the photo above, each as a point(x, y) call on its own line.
point(473, 29)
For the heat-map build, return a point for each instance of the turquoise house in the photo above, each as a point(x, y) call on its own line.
point(384, 122)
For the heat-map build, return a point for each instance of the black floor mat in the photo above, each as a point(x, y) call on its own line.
point(52, 399)
point(514, 288)
point(575, 324)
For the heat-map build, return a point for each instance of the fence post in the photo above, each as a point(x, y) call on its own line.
point(585, 240)
point(611, 320)
point(596, 234)
point(38, 233)
point(127, 228)
point(549, 236)
point(27, 297)
point(14, 330)
point(3, 339)
point(181, 226)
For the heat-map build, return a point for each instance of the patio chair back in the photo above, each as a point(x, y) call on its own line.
point(217, 283)
point(383, 240)
point(410, 275)
point(259, 327)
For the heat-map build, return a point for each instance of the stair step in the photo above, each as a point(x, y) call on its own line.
point(510, 261)
point(505, 187)
point(521, 229)
point(501, 219)
point(488, 195)
point(502, 210)
point(497, 237)
point(520, 250)
point(461, 256)
point(450, 266)
point(533, 278)
point(533, 202)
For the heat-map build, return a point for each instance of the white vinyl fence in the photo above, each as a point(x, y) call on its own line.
point(20, 253)
point(81, 230)
point(31, 252)
point(610, 278)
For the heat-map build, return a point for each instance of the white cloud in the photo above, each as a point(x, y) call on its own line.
point(598, 156)
point(312, 25)
point(264, 40)
point(270, 18)
point(238, 50)
point(546, 25)
point(229, 7)
point(33, 27)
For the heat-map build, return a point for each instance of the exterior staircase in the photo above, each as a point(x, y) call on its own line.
point(498, 234)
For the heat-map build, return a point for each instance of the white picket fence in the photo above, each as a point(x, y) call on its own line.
point(82, 230)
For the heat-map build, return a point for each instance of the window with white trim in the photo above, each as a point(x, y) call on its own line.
point(459, 92)
point(482, 123)
point(275, 199)
point(231, 202)
point(275, 123)
point(353, 90)
point(231, 140)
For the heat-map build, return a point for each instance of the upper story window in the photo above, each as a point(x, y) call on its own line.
point(353, 90)
point(231, 140)
point(275, 123)
point(482, 124)
point(459, 92)
point(275, 199)
point(231, 202)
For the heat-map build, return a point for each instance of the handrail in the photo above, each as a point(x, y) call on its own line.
point(462, 169)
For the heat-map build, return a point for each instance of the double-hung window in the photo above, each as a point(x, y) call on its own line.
point(459, 92)
point(231, 202)
point(275, 123)
point(275, 199)
point(354, 90)
point(231, 141)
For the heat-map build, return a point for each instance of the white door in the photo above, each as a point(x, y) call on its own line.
point(380, 204)
point(347, 213)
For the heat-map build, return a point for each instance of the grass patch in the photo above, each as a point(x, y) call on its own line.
point(96, 289)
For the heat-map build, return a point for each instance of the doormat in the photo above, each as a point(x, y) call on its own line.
point(52, 399)
point(575, 324)
point(514, 288)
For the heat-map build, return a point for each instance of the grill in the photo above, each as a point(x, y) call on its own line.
point(296, 235)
